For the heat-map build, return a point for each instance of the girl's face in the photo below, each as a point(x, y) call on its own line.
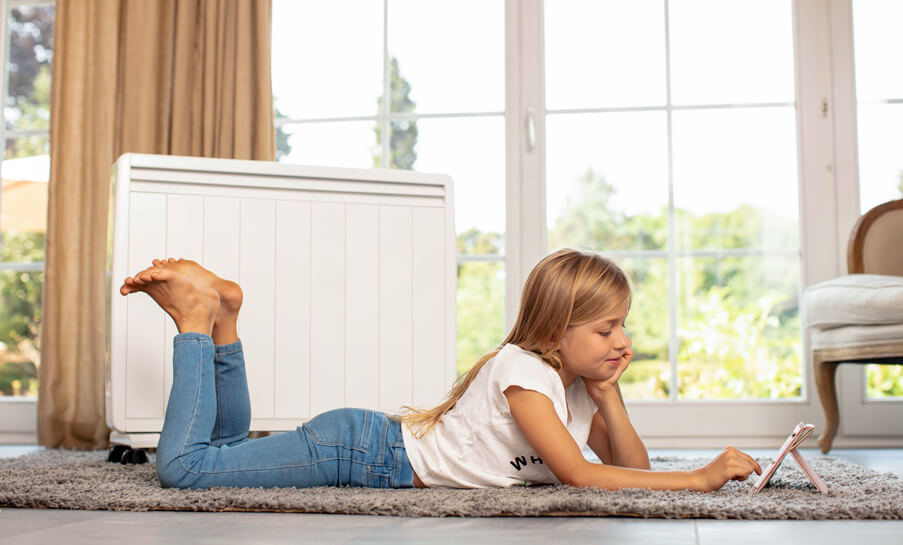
point(594, 349)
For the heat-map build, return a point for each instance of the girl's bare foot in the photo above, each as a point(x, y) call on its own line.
point(192, 307)
point(225, 328)
point(229, 292)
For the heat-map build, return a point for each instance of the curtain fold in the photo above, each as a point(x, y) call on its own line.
point(176, 77)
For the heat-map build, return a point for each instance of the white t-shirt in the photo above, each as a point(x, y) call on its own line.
point(478, 444)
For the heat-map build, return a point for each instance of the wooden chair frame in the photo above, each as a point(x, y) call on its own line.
point(826, 360)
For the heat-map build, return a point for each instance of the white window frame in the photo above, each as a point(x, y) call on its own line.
point(828, 208)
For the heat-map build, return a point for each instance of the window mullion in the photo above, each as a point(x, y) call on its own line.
point(843, 113)
point(386, 103)
point(526, 233)
point(673, 345)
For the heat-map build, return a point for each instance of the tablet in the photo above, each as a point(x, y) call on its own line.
point(795, 439)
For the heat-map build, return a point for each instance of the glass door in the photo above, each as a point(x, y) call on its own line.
point(679, 160)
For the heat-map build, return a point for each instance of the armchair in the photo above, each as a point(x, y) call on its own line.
point(858, 318)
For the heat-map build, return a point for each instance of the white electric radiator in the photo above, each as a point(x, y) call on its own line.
point(349, 282)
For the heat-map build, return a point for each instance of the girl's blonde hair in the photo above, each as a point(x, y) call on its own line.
point(566, 288)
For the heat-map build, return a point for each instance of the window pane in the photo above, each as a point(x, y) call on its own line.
point(877, 42)
point(884, 381)
point(327, 57)
point(452, 53)
point(739, 328)
point(472, 151)
point(880, 161)
point(649, 375)
point(735, 178)
point(604, 54)
point(23, 200)
point(20, 317)
point(30, 52)
point(607, 181)
point(352, 144)
point(481, 311)
point(731, 51)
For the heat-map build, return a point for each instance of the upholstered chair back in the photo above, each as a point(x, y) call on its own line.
point(876, 243)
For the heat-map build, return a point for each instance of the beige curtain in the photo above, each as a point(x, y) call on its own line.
point(178, 77)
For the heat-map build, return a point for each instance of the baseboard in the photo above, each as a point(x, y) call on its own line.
point(14, 438)
point(18, 438)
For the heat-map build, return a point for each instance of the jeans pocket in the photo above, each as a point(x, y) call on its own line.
point(339, 428)
point(379, 476)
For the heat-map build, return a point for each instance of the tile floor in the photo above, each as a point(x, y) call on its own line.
point(43, 526)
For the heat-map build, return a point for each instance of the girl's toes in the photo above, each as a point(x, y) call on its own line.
point(160, 274)
point(128, 286)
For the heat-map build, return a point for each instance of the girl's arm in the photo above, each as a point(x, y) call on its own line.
point(627, 449)
point(598, 439)
point(535, 416)
point(611, 421)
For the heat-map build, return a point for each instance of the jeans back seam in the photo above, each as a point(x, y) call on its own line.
point(196, 405)
point(219, 407)
point(295, 466)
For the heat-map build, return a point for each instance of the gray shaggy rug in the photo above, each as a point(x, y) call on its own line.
point(65, 479)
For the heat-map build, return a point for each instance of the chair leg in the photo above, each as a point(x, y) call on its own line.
point(825, 372)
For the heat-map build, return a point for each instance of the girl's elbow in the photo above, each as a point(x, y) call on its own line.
point(574, 481)
point(576, 476)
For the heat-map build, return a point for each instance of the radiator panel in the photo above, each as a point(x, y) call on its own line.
point(348, 278)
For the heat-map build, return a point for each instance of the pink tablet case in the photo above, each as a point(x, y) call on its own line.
point(800, 433)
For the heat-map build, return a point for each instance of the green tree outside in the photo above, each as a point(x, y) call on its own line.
point(402, 133)
point(283, 148)
point(481, 285)
point(738, 333)
point(31, 46)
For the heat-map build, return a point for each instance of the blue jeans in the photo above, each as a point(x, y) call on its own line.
point(204, 441)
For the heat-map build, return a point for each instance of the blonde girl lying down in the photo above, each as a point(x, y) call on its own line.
point(520, 416)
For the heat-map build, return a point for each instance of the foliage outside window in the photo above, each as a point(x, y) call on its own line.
point(397, 125)
point(23, 197)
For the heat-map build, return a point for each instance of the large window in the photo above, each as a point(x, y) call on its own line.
point(23, 198)
point(879, 93)
point(391, 83)
point(679, 160)
point(668, 140)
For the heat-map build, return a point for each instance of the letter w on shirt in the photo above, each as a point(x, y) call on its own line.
point(520, 461)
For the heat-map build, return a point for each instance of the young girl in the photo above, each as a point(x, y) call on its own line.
point(521, 415)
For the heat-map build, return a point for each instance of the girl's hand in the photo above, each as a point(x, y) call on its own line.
point(729, 465)
point(605, 387)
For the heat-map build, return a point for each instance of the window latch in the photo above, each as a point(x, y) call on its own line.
point(531, 129)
